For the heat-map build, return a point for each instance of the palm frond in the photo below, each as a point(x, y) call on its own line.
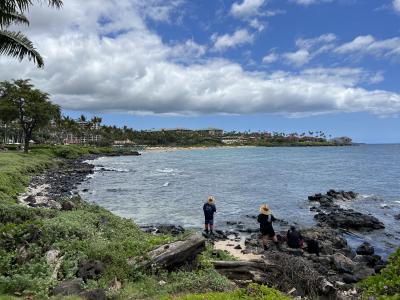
point(8, 18)
point(15, 44)
point(56, 3)
point(24, 5)
point(15, 5)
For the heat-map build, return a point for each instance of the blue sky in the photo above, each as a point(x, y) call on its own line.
point(278, 65)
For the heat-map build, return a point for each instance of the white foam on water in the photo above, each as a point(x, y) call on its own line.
point(166, 170)
point(166, 184)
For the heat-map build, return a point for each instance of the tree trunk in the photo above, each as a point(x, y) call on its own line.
point(28, 137)
point(176, 254)
point(255, 270)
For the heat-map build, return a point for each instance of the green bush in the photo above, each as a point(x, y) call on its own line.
point(386, 284)
point(252, 292)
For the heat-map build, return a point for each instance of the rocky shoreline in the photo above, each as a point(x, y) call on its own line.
point(332, 274)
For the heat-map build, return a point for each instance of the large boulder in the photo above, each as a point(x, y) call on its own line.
point(69, 287)
point(349, 219)
point(342, 263)
point(90, 269)
point(365, 249)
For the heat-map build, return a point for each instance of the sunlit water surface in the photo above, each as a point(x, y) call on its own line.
point(170, 187)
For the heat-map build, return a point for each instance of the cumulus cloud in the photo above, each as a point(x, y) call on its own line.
point(247, 8)
point(298, 58)
point(103, 57)
point(270, 58)
point(238, 38)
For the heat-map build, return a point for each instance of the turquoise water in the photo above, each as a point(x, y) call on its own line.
point(170, 187)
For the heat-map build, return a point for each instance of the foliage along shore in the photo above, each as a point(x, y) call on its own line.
point(88, 233)
point(41, 248)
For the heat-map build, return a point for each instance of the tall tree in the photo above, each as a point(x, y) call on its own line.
point(30, 107)
point(16, 44)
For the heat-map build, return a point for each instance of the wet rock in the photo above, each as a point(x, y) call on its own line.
point(365, 249)
point(397, 217)
point(157, 229)
point(349, 219)
point(342, 263)
point(90, 269)
point(69, 287)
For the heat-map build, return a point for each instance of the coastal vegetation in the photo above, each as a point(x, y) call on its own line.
point(86, 233)
point(31, 108)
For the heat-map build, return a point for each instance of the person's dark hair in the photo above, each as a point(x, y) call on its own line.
point(292, 228)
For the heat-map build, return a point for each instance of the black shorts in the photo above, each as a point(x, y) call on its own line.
point(209, 221)
point(270, 234)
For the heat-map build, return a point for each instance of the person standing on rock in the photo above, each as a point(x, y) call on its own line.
point(209, 210)
point(265, 218)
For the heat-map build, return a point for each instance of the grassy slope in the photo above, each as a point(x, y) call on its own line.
point(88, 232)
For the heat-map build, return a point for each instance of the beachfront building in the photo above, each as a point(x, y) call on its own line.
point(211, 132)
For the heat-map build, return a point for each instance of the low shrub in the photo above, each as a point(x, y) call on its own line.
point(386, 284)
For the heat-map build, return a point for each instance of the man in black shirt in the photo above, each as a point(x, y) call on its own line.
point(209, 209)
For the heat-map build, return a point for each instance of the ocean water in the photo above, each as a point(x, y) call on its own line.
point(171, 187)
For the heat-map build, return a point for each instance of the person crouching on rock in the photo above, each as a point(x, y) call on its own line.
point(265, 218)
point(209, 209)
point(294, 238)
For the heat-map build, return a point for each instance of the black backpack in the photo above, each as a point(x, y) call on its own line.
point(313, 246)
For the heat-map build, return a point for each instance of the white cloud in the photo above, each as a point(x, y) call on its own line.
point(396, 5)
point(311, 43)
point(116, 63)
point(298, 58)
point(270, 58)
point(238, 38)
point(309, 2)
point(368, 45)
point(246, 9)
point(256, 24)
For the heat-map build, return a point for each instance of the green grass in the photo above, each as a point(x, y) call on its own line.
point(252, 292)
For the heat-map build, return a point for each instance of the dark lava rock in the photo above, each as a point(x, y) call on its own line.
point(97, 294)
point(365, 249)
point(163, 229)
point(349, 219)
point(30, 199)
point(90, 269)
point(342, 263)
point(238, 247)
point(397, 217)
point(67, 206)
point(69, 287)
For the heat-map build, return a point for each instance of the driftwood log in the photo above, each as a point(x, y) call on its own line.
point(254, 270)
point(176, 254)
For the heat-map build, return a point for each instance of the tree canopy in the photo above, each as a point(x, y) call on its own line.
point(31, 108)
point(16, 44)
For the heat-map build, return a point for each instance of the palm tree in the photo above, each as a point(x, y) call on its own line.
point(16, 44)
